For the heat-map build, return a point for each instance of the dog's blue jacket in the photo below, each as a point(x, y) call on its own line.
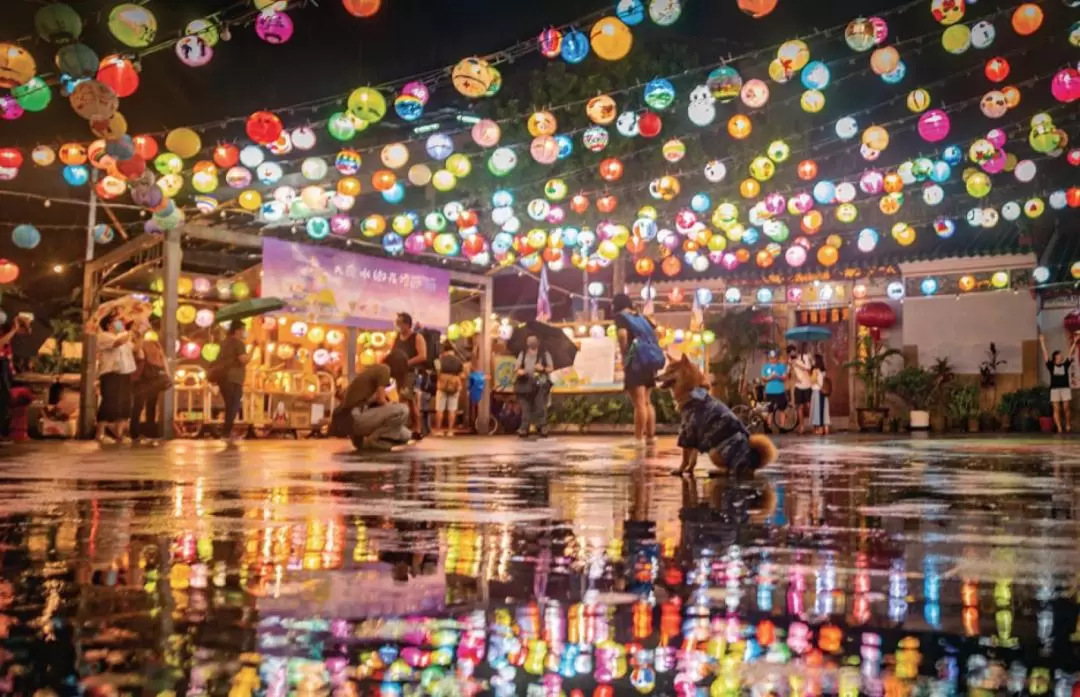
point(708, 424)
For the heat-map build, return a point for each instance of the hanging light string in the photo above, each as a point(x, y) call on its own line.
point(439, 76)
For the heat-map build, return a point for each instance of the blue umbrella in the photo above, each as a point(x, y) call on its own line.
point(808, 333)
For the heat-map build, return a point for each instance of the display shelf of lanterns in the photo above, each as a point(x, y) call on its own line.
point(193, 400)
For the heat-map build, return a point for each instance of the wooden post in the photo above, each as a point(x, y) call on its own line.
point(351, 337)
point(173, 259)
point(88, 388)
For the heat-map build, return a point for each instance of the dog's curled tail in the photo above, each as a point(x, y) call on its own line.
point(763, 450)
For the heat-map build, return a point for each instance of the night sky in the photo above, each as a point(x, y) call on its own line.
point(333, 52)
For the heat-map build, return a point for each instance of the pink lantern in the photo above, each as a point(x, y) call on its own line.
point(934, 126)
point(730, 262)
point(340, 224)
point(274, 27)
point(486, 133)
point(544, 149)
point(1066, 85)
point(10, 108)
point(872, 182)
point(997, 137)
point(417, 89)
point(190, 350)
point(795, 255)
point(415, 243)
point(775, 203)
point(996, 163)
point(685, 221)
point(802, 202)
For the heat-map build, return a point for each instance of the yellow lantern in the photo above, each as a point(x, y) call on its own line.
point(749, 188)
point(459, 165)
point(918, 100)
point(794, 54)
point(762, 168)
point(367, 357)
point(444, 180)
point(884, 60)
point(740, 126)
point(827, 255)
point(184, 285)
point(904, 234)
point(170, 184)
point(185, 314)
point(334, 337)
point(611, 39)
point(1000, 279)
point(183, 142)
point(394, 156)
point(966, 283)
point(249, 200)
point(601, 110)
point(349, 186)
point(876, 138)
point(542, 123)
point(812, 101)
point(316, 335)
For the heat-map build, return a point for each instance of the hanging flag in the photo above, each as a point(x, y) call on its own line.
point(543, 302)
point(649, 309)
point(697, 316)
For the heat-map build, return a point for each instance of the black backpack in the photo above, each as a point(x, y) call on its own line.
point(433, 339)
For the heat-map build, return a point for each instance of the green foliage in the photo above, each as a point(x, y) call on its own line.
point(964, 401)
point(1026, 403)
point(869, 368)
point(914, 385)
point(737, 338)
point(589, 409)
point(63, 330)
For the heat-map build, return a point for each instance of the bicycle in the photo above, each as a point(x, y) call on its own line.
point(762, 416)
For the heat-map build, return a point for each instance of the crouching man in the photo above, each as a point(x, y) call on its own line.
point(367, 415)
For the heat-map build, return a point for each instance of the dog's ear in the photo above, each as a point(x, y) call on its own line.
point(685, 359)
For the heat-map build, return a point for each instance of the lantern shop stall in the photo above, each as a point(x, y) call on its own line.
point(338, 316)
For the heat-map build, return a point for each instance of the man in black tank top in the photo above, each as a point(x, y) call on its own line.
point(413, 346)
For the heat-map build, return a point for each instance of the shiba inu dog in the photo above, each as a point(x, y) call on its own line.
point(709, 426)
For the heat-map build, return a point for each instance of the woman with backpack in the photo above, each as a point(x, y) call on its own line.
point(642, 360)
point(450, 370)
point(821, 388)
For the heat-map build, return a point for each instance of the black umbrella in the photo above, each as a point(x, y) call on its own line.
point(552, 339)
point(252, 307)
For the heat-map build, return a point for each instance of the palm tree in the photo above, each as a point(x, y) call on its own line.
point(868, 368)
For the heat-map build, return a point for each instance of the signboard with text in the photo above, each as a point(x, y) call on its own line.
point(328, 285)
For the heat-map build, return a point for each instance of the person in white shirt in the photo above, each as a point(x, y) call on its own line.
point(802, 373)
point(116, 365)
point(822, 389)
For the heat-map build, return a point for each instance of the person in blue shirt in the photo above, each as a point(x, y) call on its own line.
point(775, 375)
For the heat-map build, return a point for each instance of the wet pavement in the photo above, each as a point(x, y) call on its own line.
point(563, 567)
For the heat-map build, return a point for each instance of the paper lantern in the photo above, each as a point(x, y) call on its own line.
point(611, 39)
point(133, 25)
point(250, 200)
point(263, 127)
point(884, 60)
point(184, 142)
point(947, 12)
point(25, 236)
point(472, 77)
point(934, 126)
point(740, 126)
point(812, 101)
point(9, 271)
point(1027, 19)
point(33, 96)
point(542, 123)
point(92, 100)
point(274, 27)
point(997, 69)
point(757, 8)
point(649, 125)
point(601, 110)
point(486, 133)
point(362, 8)
point(1066, 85)
point(956, 39)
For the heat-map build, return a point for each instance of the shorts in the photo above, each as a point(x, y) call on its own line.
point(802, 396)
point(638, 378)
point(1059, 395)
point(446, 402)
point(406, 389)
point(778, 401)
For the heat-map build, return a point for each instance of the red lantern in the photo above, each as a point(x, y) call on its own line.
point(607, 203)
point(132, 167)
point(649, 125)
point(579, 203)
point(1072, 322)
point(264, 127)
point(472, 245)
point(635, 245)
point(120, 74)
point(876, 316)
point(671, 266)
point(226, 155)
point(807, 170)
point(10, 158)
point(9, 271)
point(611, 169)
point(145, 147)
point(997, 69)
point(468, 219)
point(1072, 197)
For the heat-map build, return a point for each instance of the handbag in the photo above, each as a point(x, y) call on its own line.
point(153, 381)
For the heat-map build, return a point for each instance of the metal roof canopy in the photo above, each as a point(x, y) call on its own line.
point(115, 272)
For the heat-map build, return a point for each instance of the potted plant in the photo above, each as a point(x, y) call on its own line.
point(943, 379)
point(869, 368)
point(1039, 403)
point(988, 371)
point(964, 405)
point(1008, 409)
point(916, 387)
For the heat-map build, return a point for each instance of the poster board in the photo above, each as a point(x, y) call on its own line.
point(322, 284)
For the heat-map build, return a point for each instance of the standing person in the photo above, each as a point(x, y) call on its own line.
point(412, 345)
point(775, 375)
point(366, 414)
point(116, 365)
point(533, 386)
point(450, 381)
point(8, 330)
point(148, 382)
point(1060, 391)
point(802, 367)
point(819, 402)
point(230, 369)
point(641, 354)
point(477, 382)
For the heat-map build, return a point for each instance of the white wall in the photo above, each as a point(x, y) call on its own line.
point(962, 328)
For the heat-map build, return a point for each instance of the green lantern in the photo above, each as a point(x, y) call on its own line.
point(341, 126)
point(133, 25)
point(58, 23)
point(35, 95)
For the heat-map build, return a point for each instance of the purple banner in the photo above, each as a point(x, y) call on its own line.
point(327, 285)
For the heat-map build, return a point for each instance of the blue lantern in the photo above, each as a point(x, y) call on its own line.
point(631, 12)
point(816, 76)
point(103, 234)
point(25, 236)
point(122, 148)
point(940, 172)
point(395, 194)
point(929, 286)
point(318, 228)
point(76, 175)
point(750, 236)
point(701, 202)
point(501, 198)
point(440, 146)
point(659, 93)
point(952, 155)
point(566, 146)
point(704, 297)
point(409, 107)
point(575, 47)
point(392, 244)
point(764, 295)
point(895, 75)
point(824, 192)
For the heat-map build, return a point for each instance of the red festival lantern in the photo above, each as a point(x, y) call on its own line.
point(263, 127)
point(876, 316)
point(1072, 322)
